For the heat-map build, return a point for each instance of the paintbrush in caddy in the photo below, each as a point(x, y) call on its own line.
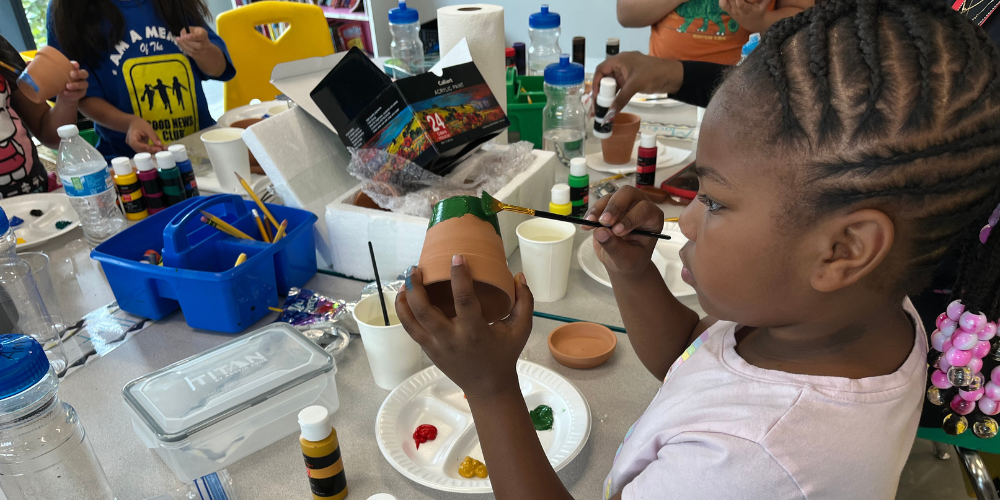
point(492, 205)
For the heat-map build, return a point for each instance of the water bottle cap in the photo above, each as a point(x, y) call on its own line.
point(179, 151)
point(4, 223)
point(67, 131)
point(564, 72)
point(121, 166)
point(560, 194)
point(144, 162)
point(751, 44)
point(402, 15)
point(22, 364)
point(165, 160)
point(543, 20)
point(314, 422)
point(578, 167)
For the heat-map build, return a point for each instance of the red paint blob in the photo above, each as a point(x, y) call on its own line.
point(424, 433)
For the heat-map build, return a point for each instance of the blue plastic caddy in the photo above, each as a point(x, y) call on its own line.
point(198, 273)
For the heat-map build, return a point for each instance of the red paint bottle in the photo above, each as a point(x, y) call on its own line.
point(150, 179)
point(646, 167)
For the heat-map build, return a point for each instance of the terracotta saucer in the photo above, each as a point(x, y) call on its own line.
point(582, 345)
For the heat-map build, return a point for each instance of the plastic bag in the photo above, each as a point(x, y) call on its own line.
point(401, 186)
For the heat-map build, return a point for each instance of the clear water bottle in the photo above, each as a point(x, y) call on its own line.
point(87, 180)
point(564, 119)
point(407, 49)
point(44, 451)
point(215, 486)
point(543, 29)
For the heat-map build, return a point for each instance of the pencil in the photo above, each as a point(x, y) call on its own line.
point(260, 227)
point(281, 231)
point(263, 209)
point(9, 68)
point(221, 225)
point(241, 259)
point(276, 309)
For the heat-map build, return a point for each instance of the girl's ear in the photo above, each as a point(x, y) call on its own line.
point(850, 248)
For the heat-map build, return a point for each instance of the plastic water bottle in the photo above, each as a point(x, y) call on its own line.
point(215, 486)
point(406, 47)
point(543, 29)
point(44, 451)
point(87, 180)
point(564, 119)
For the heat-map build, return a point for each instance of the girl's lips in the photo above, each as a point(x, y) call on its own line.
point(687, 276)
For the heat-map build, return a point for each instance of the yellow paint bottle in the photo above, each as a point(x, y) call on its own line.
point(321, 451)
point(129, 189)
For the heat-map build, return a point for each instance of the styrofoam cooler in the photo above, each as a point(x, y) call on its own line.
point(198, 273)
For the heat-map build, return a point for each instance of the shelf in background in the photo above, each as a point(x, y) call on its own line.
point(344, 13)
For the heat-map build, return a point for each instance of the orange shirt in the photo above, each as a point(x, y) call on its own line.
point(699, 31)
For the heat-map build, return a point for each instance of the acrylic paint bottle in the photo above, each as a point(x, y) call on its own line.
point(603, 129)
point(187, 170)
point(519, 58)
point(170, 177)
point(321, 451)
point(580, 50)
point(152, 190)
point(560, 204)
point(579, 186)
point(129, 189)
point(645, 170)
point(614, 45)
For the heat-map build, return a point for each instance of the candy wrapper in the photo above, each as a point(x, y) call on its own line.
point(319, 318)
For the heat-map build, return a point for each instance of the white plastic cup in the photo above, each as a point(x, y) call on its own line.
point(546, 248)
point(392, 355)
point(229, 156)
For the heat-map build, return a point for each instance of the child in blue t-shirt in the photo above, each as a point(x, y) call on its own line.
point(147, 59)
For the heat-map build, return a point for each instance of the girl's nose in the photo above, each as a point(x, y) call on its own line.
point(691, 213)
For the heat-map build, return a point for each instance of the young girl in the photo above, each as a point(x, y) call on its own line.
point(855, 147)
point(147, 59)
point(21, 172)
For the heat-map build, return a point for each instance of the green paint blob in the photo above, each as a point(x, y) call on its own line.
point(542, 418)
point(62, 224)
point(458, 206)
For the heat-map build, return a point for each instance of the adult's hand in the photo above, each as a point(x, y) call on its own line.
point(623, 253)
point(635, 73)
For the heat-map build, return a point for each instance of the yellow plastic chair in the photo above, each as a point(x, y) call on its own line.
point(254, 55)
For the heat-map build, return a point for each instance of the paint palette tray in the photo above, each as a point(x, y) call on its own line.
point(429, 397)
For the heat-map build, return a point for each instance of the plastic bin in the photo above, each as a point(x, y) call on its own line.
point(210, 410)
point(525, 117)
point(198, 273)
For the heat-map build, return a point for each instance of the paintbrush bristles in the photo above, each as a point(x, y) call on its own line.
point(492, 206)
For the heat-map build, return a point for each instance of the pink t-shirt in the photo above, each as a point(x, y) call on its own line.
point(722, 428)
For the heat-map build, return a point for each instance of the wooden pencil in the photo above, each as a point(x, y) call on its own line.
point(260, 226)
point(256, 199)
point(221, 225)
point(281, 231)
point(241, 259)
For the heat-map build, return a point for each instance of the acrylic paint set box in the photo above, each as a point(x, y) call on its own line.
point(432, 120)
point(198, 274)
point(206, 412)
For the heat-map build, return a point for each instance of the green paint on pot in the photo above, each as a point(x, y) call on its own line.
point(542, 418)
point(458, 206)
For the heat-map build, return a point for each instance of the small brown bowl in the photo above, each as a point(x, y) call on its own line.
point(582, 345)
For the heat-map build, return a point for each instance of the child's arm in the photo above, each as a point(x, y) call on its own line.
point(138, 132)
point(42, 120)
point(754, 16)
point(659, 326)
point(642, 13)
point(208, 56)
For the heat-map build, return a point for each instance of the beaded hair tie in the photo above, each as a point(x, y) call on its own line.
point(984, 234)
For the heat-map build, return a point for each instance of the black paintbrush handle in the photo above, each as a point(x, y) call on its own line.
point(585, 222)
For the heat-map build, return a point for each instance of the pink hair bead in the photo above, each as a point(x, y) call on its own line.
point(992, 391)
point(941, 317)
point(961, 406)
point(964, 340)
point(946, 345)
point(988, 406)
point(972, 322)
point(938, 338)
point(995, 376)
point(981, 349)
point(955, 310)
point(989, 331)
point(975, 395)
point(957, 357)
point(943, 364)
point(948, 326)
point(975, 364)
point(940, 380)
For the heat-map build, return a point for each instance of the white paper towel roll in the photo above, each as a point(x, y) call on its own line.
point(482, 25)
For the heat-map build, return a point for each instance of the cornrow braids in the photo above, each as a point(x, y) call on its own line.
point(898, 109)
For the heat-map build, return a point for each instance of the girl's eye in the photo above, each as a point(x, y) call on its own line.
point(710, 204)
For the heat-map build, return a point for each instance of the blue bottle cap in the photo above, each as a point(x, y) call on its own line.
point(22, 364)
point(4, 223)
point(543, 20)
point(402, 15)
point(564, 72)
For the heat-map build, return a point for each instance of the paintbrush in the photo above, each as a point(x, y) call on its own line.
point(672, 219)
point(184, 15)
point(492, 206)
point(9, 68)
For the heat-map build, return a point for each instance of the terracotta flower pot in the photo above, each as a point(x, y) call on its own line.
point(46, 75)
point(459, 226)
point(245, 123)
point(618, 148)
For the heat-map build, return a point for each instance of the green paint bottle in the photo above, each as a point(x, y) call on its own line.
point(579, 187)
point(170, 176)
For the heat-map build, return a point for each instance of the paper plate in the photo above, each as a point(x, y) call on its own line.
point(37, 230)
point(429, 397)
point(665, 258)
point(666, 156)
point(244, 112)
point(651, 100)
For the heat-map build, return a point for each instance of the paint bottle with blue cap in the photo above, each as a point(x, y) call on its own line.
point(47, 453)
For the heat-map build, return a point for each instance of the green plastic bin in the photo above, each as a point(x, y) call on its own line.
point(525, 101)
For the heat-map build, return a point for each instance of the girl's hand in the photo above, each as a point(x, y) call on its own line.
point(139, 135)
point(477, 356)
point(634, 73)
point(751, 14)
point(620, 213)
point(194, 43)
point(76, 89)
